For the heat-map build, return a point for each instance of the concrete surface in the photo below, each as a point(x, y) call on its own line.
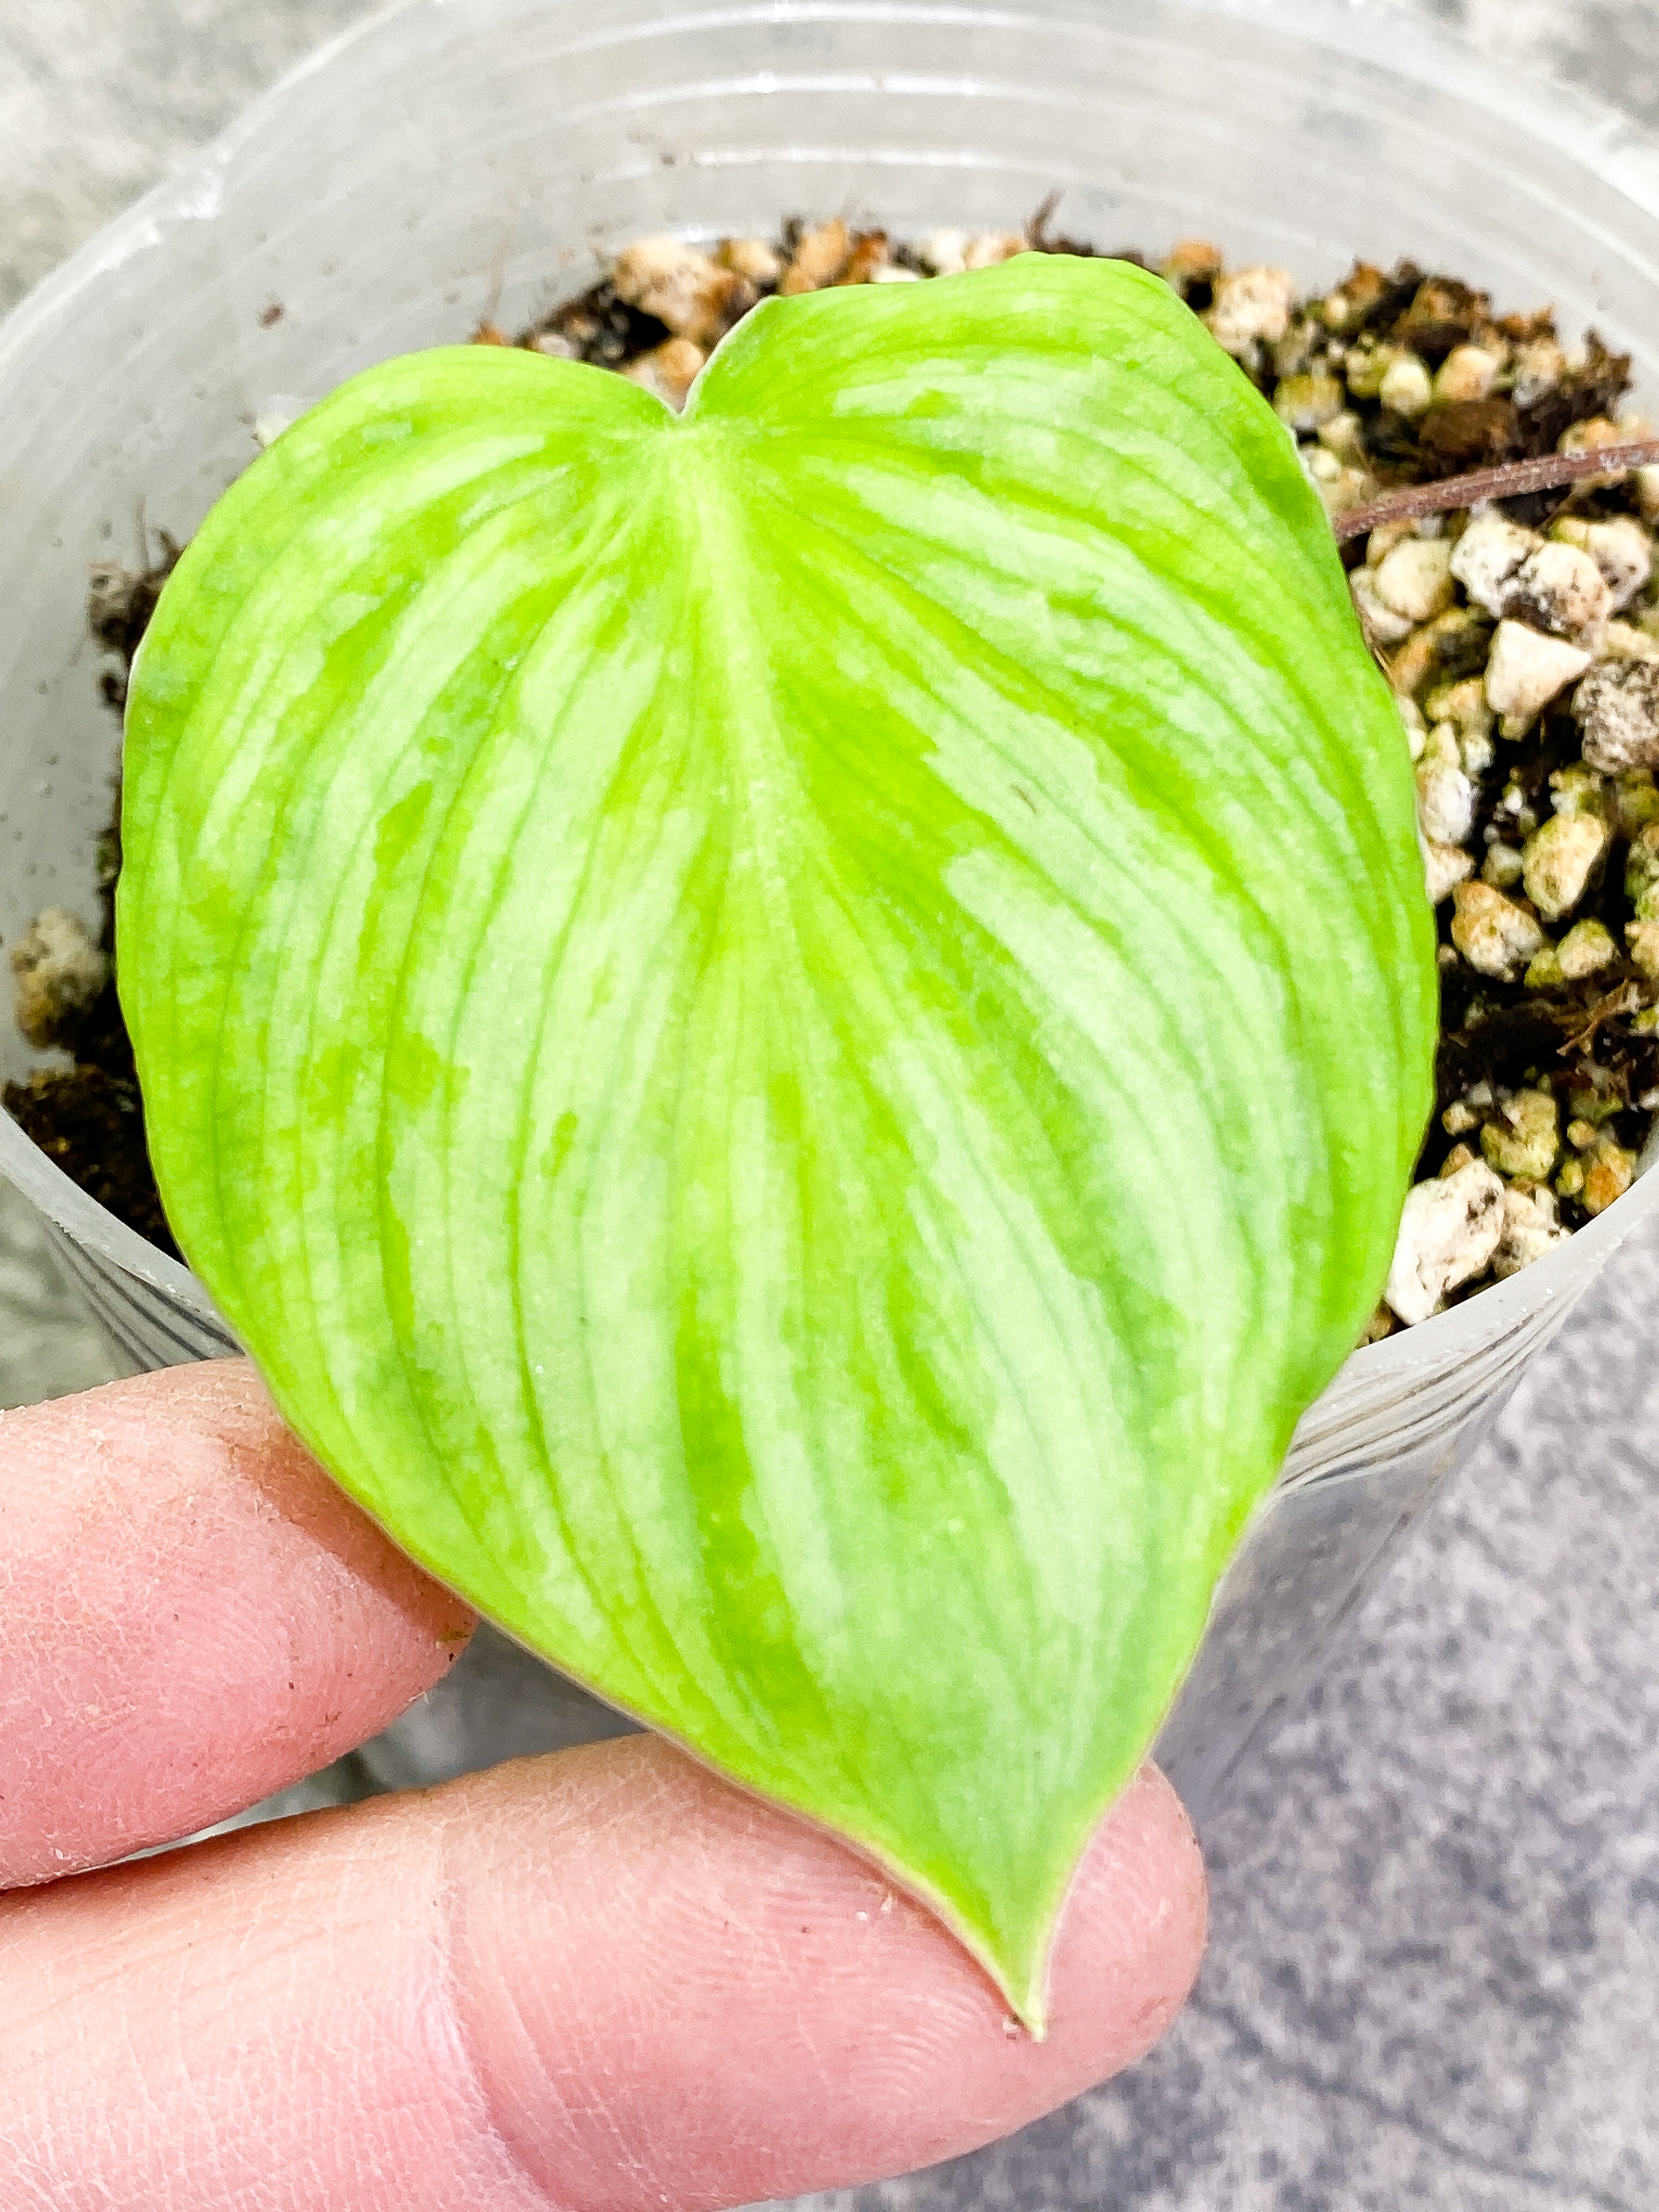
point(1434, 1977)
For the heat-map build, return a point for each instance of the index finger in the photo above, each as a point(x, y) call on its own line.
point(192, 1616)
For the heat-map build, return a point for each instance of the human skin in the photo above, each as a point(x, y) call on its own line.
point(604, 1980)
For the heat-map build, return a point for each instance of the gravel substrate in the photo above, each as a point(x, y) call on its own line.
point(1521, 641)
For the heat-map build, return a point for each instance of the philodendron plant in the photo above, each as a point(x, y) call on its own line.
point(795, 1033)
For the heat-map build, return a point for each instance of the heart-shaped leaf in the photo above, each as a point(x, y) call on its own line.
point(795, 1035)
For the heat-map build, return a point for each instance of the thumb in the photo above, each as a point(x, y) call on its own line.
point(605, 1981)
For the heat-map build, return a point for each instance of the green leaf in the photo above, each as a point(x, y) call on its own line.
point(795, 1035)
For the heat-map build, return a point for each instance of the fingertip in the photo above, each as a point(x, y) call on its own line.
point(781, 2018)
point(196, 1617)
point(1131, 1939)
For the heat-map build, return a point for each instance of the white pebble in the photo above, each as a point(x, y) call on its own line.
point(272, 419)
point(1557, 859)
point(1494, 935)
point(1251, 304)
point(1476, 751)
point(1531, 1227)
point(1442, 743)
point(1448, 1233)
point(1349, 488)
point(1642, 940)
point(1539, 367)
point(1306, 403)
point(1523, 1137)
point(946, 252)
point(1468, 372)
point(820, 257)
point(1618, 707)
point(1383, 626)
point(678, 284)
point(1560, 588)
point(1445, 866)
point(1464, 703)
point(1192, 261)
point(1345, 436)
point(752, 257)
point(1445, 803)
point(1586, 949)
point(1407, 386)
point(990, 246)
point(1622, 640)
point(1502, 867)
point(669, 370)
point(1488, 556)
point(1382, 541)
point(1577, 788)
point(1525, 671)
point(1415, 579)
point(1623, 551)
point(59, 971)
point(1366, 366)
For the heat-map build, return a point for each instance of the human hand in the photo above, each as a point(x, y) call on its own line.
point(600, 1979)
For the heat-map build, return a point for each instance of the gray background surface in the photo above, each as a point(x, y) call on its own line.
point(1434, 1974)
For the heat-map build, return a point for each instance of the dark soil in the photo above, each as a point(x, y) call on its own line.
point(90, 1118)
point(1571, 1037)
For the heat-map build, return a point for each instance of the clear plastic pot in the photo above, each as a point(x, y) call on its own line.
point(463, 157)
